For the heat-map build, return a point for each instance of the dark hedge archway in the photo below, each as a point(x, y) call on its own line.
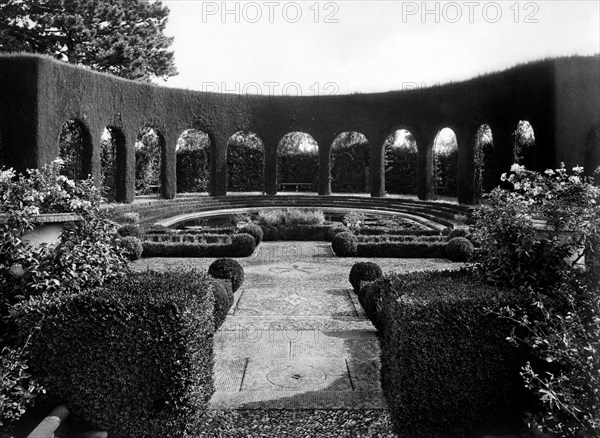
point(245, 163)
point(150, 150)
point(400, 149)
point(485, 177)
point(193, 161)
point(75, 149)
point(297, 161)
point(523, 139)
point(112, 162)
point(350, 163)
point(445, 162)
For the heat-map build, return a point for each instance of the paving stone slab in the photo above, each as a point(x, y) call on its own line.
point(296, 374)
point(229, 373)
point(288, 323)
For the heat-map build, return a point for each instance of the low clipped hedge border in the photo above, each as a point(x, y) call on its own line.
point(242, 245)
point(417, 249)
point(399, 238)
point(189, 238)
point(134, 358)
point(446, 367)
point(205, 230)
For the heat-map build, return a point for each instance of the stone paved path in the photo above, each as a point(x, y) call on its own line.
point(296, 336)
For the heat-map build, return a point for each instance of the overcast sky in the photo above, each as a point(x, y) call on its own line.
point(341, 47)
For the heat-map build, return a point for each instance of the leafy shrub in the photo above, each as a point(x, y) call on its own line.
point(458, 232)
point(354, 220)
point(369, 297)
point(134, 358)
point(243, 245)
point(130, 230)
point(131, 217)
point(446, 368)
point(254, 230)
point(227, 269)
point(459, 249)
point(364, 271)
point(189, 237)
point(408, 249)
point(290, 217)
point(17, 388)
point(399, 238)
point(133, 247)
point(371, 230)
point(344, 244)
point(223, 300)
point(332, 230)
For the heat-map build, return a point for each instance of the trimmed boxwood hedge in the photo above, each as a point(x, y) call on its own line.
point(189, 238)
point(372, 230)
point(254, 230)
point(447, 369)
point(134, 358)
point(223, 294)
point(303, 232)
point(415, 249)
point(227, 269)
point(242, 245)
point(363, 271)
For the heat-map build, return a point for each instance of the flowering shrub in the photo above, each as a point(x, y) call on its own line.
point(519, 230)
point(354, 220)
point(86, 255)
point(521, 248)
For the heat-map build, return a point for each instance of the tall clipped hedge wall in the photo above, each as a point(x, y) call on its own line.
point(400, 171)
point(298, 168)
point(193, 170)
point(445, 173)
point(245, 166)
point(350, 169)
point(447, 369)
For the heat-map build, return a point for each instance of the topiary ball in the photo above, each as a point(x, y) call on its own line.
point(243, 245)
point(336, 229)
point(344, 244)
point(364, 271)
point(228, 269)
point(130, 230)
point(133, 247)
point(458, 232)
point(223, 294)
point(459, 249)
point(254, 230)
point(270, 233)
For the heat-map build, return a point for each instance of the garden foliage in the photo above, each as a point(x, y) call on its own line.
point(228, 269)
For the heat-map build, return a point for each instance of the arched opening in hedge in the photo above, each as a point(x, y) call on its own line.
point(245, 163)
point(150, 148)
point(297, 162)
point(112, 163)
point(400, 151)
point(524, 144)
point(350, 163)
point(486, 177)
point(193, 161)
point(445, 162)
point(75, 149)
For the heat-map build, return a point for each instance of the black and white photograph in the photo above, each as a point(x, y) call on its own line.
point(302, 219)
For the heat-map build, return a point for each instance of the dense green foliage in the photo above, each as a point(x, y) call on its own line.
point(363, 271)
point(402, 249)
point(446, 368)
point(228, 269)
point(245, 163)
point(240, 245)
point(401, 170)
point(130, 230)
point(350, 168)
point(459, 249)
point(132, 246)
point(344, 244)
point(123, 37)
point(134, 358)
point(223, 294)
point(254, 230)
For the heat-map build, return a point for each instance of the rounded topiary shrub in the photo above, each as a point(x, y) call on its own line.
point(228, 269)
point(223, 293)
point(254, 230)
point(458, 232)
point(459, 249)
point(364, 271)
point(344, 244)
point(243, 245)
point(130, 230)
point(133, 247)
point(336, 229)
point(270, 233)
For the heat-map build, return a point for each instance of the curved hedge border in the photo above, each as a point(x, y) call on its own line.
point(242, 245)
point(134, 358)
point(446, 367)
